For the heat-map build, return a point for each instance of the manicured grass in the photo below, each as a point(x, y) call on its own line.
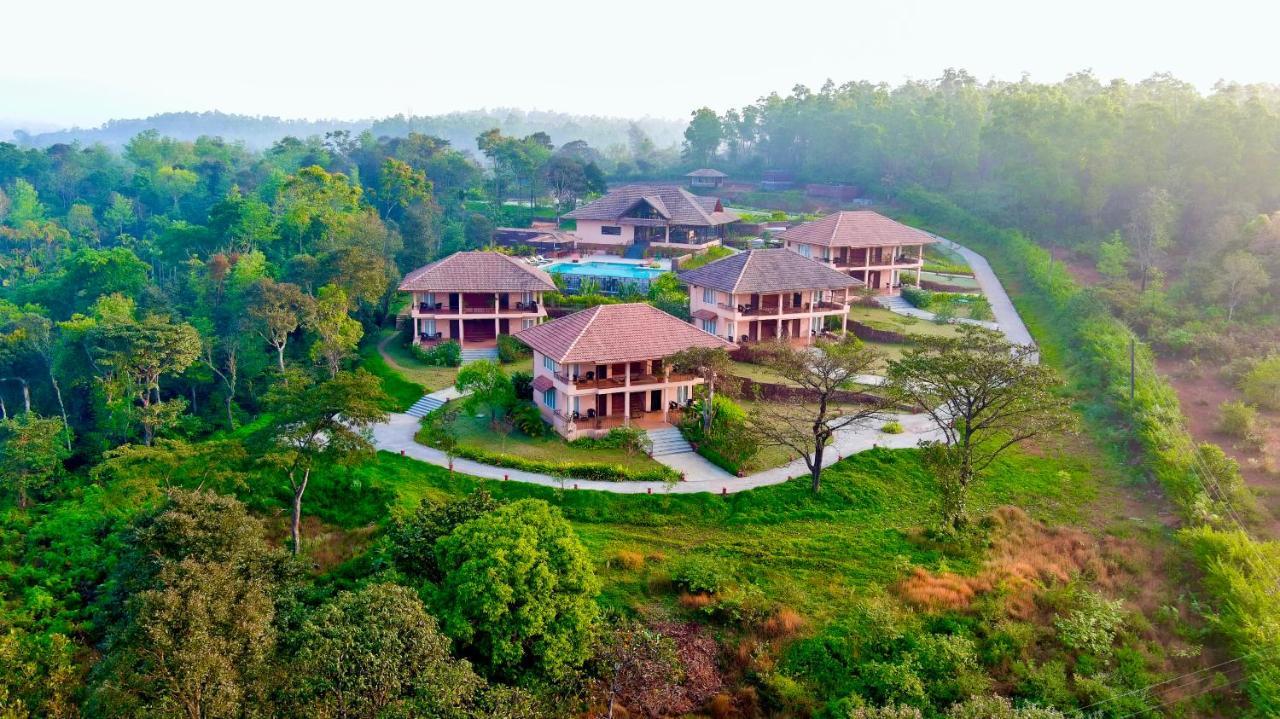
point(403, 392)
point(711, 255)
point(939, 255)
point(882, 319)
point(430, 378)
point(818, 554)
point(475, 431)
point(954, 280)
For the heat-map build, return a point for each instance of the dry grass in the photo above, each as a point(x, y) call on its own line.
point(720, 706)
point(627, 559)
point(696, 601)
point(784, 624)
point(1026, 557)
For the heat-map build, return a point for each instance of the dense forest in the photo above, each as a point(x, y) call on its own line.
point(192, 523)
point(459, 128)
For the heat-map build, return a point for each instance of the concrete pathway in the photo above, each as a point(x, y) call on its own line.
point(396, 435)
point(1007, 317)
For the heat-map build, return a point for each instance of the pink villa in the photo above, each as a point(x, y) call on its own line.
point(473, 297)
point(607, 367)
point(762, 295)
point(664, 217)
point(866, 245)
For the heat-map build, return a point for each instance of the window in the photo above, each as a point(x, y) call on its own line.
point(548, 363)
point(729, 329)
point(682, 394)
point(708, 295)
point(610, 230)
point(804, 250)
point(709, 326)
point(549, 398)
point(429, 327)
point(527, 323)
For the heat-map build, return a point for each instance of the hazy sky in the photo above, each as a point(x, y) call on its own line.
point(86, 61)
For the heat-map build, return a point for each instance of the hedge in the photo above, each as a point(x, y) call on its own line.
point(1098, 346)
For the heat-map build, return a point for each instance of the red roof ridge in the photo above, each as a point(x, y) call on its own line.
point(595, 312)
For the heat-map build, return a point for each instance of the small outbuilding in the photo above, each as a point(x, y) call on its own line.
point(706, 179)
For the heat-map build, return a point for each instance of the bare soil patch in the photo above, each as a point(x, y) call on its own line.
point(1201, 391)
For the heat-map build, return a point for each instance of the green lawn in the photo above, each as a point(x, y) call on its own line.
point(954, 280)
point(817, 554)
point(430, 378)
point(475, 431)
point(940, 255)
point(882, 319)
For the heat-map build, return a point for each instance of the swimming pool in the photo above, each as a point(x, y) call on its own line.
point(613, 270)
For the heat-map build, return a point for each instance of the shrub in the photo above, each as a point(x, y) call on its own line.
point(1092, 625)
point(980, 309)
point(1261, 385)
point(729, 444)
point(445, 354)
point(511, 349)
point(892, 427)
point(1237, 419)
point(522, 385)
point(917, 297)
point(526, 418)
point(632, 439)
point(700, 575)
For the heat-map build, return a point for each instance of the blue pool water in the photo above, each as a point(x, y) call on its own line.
point(604, 269)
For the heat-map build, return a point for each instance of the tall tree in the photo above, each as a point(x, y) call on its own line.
point(703, 136)
point(1242, 276)
point(318, 422)
point(376, 652)
point(336, 333)
point(1150, 231)
point(279, 308)
point(805, 422)
point(518, 592)
point(135, 355)
point(984, 395)
point(32, 451)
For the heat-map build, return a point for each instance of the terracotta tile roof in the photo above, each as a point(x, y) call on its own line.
point(616, 333)
point(856, 228)
point(776, 270)
point(706, 172)
point(542, 383)
point(478, 272)
point(703, 315)
point(676, 204)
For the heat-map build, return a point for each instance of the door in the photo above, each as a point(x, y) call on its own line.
point(655, 400)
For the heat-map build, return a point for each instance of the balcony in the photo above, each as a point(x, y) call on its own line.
point(589, 381)
point(439, 308)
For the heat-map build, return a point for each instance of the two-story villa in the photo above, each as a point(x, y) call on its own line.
point(607, 366)
point(659, 216)
point(762, 295)
point(865, 244)
point(473, 297)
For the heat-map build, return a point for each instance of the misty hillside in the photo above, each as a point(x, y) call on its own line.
point(460, 128)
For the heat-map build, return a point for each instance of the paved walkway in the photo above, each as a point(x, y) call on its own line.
point(396, 435)
point(1006, 316)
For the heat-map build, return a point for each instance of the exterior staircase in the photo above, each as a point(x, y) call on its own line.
point(894, 303)
point(481, 353)
point(425, 406)
point(668, 441)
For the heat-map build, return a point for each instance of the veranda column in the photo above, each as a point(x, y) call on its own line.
point(462, 329)
point(626, 403)
point(666, 387)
